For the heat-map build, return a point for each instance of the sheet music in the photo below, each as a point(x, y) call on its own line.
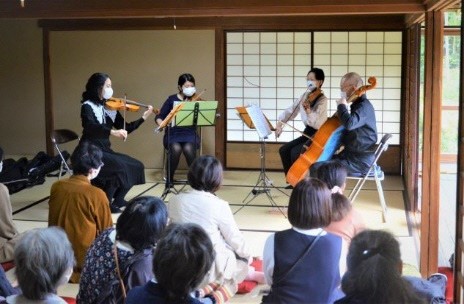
point(259, 120)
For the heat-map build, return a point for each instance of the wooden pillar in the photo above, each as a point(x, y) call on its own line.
point(459, 249)
point(431, 142)
point(220, 95)
point(49, 116)
point(410, 110)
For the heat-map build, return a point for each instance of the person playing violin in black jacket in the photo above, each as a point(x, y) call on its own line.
point(120, 172)
point(178, 140)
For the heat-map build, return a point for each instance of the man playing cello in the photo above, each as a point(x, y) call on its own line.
point(360, 133)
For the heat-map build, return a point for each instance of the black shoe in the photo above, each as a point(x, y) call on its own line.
point(119, 203)
point(115, 209)
point(289, 187)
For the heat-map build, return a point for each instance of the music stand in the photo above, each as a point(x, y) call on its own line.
point(197, 114)
point(253, 118)
point(164, 124)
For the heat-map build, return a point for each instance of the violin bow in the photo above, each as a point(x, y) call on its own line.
point(199, 95)
point(302, 133)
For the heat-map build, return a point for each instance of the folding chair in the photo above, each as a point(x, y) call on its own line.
point(375, 173)
point(59, 137)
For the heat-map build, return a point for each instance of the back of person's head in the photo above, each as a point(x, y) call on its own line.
point(205, 174)
point(333, 173)
point(183, 257)
point(374, 270)
point(93, 87)
point(142, 222)
point(86, 156)
point(341, 206)
point(310, 205)
point(44, 259)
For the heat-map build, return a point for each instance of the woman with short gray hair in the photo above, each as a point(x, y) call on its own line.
point(44, 260)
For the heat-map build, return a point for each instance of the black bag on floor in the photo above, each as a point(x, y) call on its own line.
point(21, 174)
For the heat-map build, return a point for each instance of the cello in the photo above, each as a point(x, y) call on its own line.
point(325, 142)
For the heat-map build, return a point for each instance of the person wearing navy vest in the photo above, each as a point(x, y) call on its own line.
point(304, 264)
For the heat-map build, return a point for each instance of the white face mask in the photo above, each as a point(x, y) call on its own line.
point(343, 95)
point(107, 93)
point(1, 166)
point(311, 85)
point(189, 91)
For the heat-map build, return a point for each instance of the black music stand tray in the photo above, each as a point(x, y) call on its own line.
point(263, 184)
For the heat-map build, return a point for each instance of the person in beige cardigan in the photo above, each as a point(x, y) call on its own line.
point(201, 206)
point(9, 235)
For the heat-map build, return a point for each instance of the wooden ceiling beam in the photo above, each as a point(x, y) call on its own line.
point(413, 19)
point(436, 5)
point(370, 22)
point(53, 9)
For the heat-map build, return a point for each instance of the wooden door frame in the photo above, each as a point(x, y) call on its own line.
point(431, 142)
point(459, 244)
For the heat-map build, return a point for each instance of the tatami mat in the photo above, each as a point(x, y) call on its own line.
point(257, 219)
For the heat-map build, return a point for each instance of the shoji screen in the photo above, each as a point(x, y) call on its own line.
point(269, 69)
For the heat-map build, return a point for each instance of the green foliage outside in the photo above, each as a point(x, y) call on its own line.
point(450, 82)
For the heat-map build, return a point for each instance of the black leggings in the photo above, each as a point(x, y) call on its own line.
point(175, 150)
point(116, 195)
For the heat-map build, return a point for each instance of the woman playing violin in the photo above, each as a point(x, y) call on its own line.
point(178, 140)
point(120, 171)
point(312, 106)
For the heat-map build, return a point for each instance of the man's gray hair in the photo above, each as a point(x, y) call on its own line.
point(42, 257)
point(353, 78)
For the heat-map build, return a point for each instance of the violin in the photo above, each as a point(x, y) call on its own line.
point(196, 96)
point(116, 104)
point(311, 98)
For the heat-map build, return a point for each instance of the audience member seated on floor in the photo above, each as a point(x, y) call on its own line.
point(346, 221)
point(44, 261)
point(305, 262)
point(201, 206)
point(9, 235)
point(183, 257)
point(137, 232)
point(6, 289)
point(77, 206)
point(374, 273)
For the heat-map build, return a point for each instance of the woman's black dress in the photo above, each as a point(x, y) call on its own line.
point(119, 170)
